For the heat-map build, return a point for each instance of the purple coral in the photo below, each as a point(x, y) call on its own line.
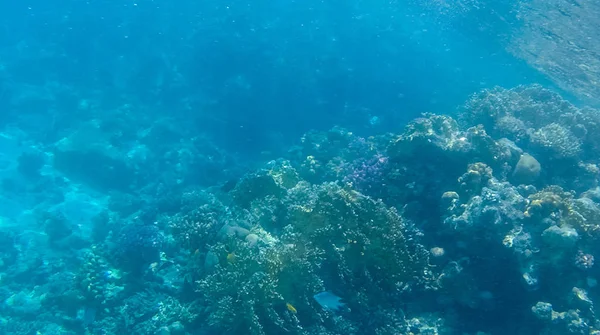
point(367, 175)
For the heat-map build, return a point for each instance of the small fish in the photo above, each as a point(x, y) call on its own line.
point(374, 121)
point(329, 301)
point(231, 257)
point(291, 308)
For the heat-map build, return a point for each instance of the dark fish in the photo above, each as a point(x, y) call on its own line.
point(228, 186)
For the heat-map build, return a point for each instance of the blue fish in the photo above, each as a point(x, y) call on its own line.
point(329, 301)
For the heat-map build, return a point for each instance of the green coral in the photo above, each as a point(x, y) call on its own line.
point(329, 237)
point(360, 234)
point(430, 135)
point(551, 200)
point(476, 177)
point(271, 181)
point(283, 174)
point(247, 293)
point(584, 215)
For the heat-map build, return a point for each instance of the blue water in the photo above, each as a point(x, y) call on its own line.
point(298, 66)
point(160, 161)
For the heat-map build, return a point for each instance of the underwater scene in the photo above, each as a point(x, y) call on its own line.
point(302, 167)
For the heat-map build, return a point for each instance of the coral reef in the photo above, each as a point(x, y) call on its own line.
point(264, 282)
point(444, 228)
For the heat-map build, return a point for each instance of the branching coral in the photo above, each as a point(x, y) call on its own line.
point(555, 141)
point(271, 181)
point(333, 237)
point(195, 229)
point(365, 235)
point(250, 289)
